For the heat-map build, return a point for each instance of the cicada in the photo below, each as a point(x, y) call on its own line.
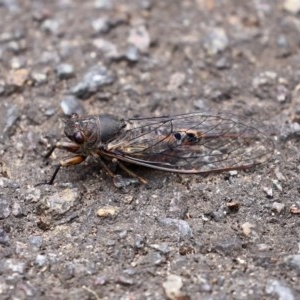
point(191, 143)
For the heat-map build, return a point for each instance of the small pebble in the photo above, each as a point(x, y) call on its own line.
point(293, 261)
point(17, 209)
point(17, 47)
point(282, 93)
point(146, 4)
point(263, 247)
point(101, 25)
point(41, 260)
point(163, 248)
point(268, 191)
point(13, 6)
point(107, 211)
point(172, 287)
point(61, 202)
point(277, 185)
point(132, 54)
point(103, 4)
point(109, 49)
point(36, 241)
point(50, 26)
point(70, 105)
point(18, 63)
point(64, 71)
point(292, 6)
point(228, 245)
point(278, 207)
point(219, 214)
point(216, 41)
point(233, 173)
point(15, 266)
point(279, 290)
point(48, 57)
point(39, 78)
point(122, 182)
point(130, 271)
point(206, 287)
point(284, 48)
point(18, 77)
point(4, 237)
point(4, 208)
point(97, 77)
point(100, 280)
point(152, 259)
point(176, 80)
point(8, 119)
point(247, 228)
point(128, 199)
point(124, 280)
point(182, 226)
point(223, 63)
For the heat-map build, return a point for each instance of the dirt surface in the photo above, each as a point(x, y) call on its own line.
point(233, 235)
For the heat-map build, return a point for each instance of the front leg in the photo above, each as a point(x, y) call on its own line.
point(66, 163)
point(71, 147)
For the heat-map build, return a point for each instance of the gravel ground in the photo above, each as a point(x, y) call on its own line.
point(233, 235)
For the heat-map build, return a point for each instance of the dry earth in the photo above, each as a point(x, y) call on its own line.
point(224, 236)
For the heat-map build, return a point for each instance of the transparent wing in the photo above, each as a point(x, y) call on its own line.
point(192, 143)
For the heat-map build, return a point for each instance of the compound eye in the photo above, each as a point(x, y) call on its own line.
point(78, 137)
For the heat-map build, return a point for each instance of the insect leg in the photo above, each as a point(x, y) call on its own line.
point(71, 147)
point(132, 174)
point(50, 182)
point(66, 163)
point(103, 164)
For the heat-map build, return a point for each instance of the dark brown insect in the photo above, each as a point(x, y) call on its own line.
point(187, 143)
